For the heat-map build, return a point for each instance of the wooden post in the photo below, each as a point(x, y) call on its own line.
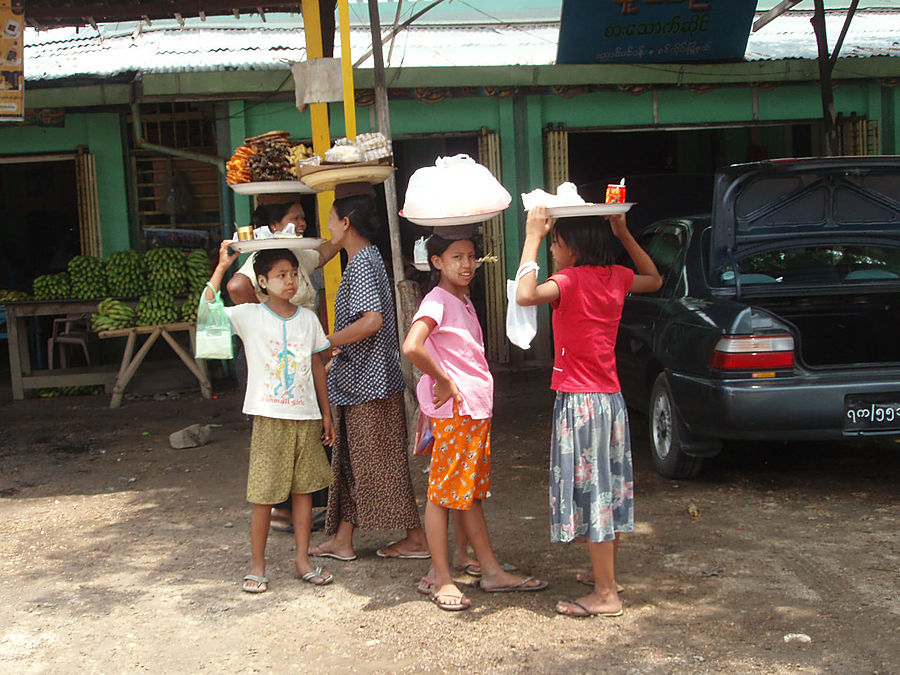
point(390, 185)
point(321, 137)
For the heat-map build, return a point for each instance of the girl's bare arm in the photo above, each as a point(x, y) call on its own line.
point(414, 350)
point(647, 278)
point(529, 292)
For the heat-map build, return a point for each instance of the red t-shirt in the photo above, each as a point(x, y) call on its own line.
point(585, 323)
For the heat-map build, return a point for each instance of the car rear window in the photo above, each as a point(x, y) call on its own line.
point(810, 265)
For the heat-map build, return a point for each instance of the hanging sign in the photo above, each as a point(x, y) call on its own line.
point(12, 78)
point(653, 31)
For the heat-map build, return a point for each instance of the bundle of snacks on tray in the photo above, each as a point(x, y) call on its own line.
point(237, 169)
point(302, 155)
point(344, 151)
point(566, 195)
point(373, 146)
point(454, 187)
point(367, 147)
point(271, 159)
point(112, 314)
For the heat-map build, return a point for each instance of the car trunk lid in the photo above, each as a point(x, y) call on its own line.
point(769, 205)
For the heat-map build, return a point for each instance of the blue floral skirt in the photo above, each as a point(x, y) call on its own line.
point(591, 477)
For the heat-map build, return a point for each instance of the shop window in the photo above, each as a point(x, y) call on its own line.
point(175, 201)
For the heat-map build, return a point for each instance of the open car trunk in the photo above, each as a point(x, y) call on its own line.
point(842, 330)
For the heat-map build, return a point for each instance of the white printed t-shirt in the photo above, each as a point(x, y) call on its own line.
point(279, 353)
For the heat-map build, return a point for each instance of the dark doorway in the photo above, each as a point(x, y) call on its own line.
point(670, 172)
point(38, 221)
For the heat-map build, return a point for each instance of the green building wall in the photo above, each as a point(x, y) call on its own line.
point(518, 120)
point(99, 133)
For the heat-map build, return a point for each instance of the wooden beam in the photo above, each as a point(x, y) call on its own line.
point(774, 13)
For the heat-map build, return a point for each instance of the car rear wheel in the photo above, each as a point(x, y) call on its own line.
point(668, 435)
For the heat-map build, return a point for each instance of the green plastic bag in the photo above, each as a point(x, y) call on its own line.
point(213, 330)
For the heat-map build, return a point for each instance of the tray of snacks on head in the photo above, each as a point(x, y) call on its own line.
point(454, 191)
point(253, 245)
point(269, 163)
point(567, 203)
point(367, 158)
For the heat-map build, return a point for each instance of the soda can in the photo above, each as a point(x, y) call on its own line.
point(615, 194)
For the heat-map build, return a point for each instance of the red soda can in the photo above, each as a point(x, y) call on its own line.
point(615, 194)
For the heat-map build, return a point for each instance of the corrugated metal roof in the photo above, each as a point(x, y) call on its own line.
point(254, 45)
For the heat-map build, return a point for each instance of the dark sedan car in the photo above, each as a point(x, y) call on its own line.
point(778, 316)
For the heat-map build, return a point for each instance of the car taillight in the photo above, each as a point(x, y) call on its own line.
point(753, 352)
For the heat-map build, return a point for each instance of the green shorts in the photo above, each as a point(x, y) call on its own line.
point(286, 457)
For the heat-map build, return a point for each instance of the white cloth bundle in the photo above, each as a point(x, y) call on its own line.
point(566, 195)
point(454, 186)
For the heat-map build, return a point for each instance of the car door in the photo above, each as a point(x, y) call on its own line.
point(665, 243)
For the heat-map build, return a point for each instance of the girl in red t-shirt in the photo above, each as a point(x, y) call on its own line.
point(591, 479)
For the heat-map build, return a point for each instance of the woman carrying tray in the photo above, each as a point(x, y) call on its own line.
point(243, 287)
point(372, 488)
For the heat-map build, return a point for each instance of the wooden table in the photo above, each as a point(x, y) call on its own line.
point(131, 361)
point(17, 314)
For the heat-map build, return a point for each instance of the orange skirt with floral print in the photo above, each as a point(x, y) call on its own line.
point(460, 461)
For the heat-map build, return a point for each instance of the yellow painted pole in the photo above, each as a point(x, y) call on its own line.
point(347, 70)
point(321, 137)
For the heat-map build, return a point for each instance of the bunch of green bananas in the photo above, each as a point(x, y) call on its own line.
point(190, 305)
point(88, 277)
point(112, 314)
point(10, 295)
point(126, 274)
point(156, 308)
point(166, 270)
point(53, 287)
point(198, 270)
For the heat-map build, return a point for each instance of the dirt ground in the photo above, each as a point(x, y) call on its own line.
point(118, 553)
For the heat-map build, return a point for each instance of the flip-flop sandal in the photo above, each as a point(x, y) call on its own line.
point(281, 526)
point(425, 586)
point(587, 612)
point(415, 555)
point(335, 556)
point(517, 588)
point(259, 581)
point(462, 602)
point(583, 579)
point(317, 572)
point(472, 569)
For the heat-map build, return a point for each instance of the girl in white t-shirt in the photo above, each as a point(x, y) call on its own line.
point(287, 394)
point(456, 391)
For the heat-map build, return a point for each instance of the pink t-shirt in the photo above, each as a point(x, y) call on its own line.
point(585, 323)
point(457, 346)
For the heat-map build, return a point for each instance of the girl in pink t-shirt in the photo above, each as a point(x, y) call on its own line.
point(456, 391)
point(591, 478)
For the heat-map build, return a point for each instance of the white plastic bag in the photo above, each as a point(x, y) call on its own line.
point(521, 322)
point(213, 330)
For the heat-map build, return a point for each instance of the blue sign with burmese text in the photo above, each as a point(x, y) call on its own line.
point(653, 31)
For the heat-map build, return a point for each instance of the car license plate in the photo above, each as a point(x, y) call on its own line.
point(876, 413)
